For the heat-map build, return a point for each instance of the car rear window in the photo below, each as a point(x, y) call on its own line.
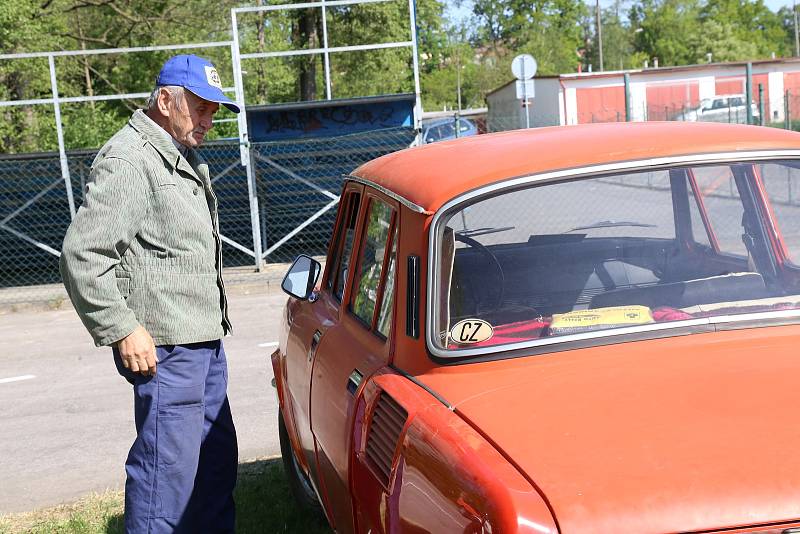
point(634, 250)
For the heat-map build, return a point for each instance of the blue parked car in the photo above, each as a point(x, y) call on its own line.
point(442, 129)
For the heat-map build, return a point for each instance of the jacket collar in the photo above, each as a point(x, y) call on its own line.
point(162, 142)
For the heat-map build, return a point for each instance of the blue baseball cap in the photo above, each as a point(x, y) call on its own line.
point(198, 75)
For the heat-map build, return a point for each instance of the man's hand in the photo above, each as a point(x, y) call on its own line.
point(138, 352)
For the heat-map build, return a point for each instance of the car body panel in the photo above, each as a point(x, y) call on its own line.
point(687, 419)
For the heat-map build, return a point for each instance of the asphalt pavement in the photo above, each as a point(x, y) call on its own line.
point(66, 416)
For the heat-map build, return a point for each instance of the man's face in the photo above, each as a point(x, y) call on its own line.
point(189, 118)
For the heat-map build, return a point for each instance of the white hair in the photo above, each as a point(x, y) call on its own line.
point(176, 91)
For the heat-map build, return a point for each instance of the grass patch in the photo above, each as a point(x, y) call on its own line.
point(263, 504)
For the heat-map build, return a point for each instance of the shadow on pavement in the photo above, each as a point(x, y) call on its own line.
point(263, 503)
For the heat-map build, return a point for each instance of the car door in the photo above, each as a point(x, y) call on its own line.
point(310, 319)
point(353, 348)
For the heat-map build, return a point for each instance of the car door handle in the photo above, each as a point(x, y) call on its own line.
point(354, 381)
point(314, 343)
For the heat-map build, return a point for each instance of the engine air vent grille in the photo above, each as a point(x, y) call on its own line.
point(387, 423)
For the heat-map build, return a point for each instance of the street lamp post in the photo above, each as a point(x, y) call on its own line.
point(600, 35)
point(458, 79)
point(796, 38)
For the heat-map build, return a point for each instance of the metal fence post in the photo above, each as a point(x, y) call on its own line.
point(255, 216)
point(788, 110)
point(748, 96)
point(244, 143)
point(412, 13)
point(62, 153)
point(327, 54)
point(762, 119)
point(626, 78)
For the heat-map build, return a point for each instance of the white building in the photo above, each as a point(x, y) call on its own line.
point(655, 94)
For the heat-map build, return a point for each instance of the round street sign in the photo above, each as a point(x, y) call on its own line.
point(524, 67)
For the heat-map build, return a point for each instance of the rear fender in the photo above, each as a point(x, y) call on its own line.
point(445, 477)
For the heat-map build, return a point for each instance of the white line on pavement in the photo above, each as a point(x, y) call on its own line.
point(270, 344)
point(16, 379)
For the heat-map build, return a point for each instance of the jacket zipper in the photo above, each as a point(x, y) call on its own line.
point(223, 296)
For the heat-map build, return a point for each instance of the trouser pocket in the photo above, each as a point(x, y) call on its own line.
point(179, 433)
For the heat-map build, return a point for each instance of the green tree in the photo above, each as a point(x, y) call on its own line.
point(550, 30)
point(440, 83)
point(618, 37)
point(682, 32)
point(721, 40)
point(669, 30)
point(23, 28)
point(786, 20)
point(748, 28)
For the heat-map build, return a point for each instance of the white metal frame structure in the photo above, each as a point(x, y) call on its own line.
point(55, 100)
point(326, 51)
point(245, 154)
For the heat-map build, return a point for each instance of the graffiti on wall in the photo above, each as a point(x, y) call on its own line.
point(333, 119)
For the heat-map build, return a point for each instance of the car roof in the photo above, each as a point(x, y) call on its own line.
point(436, 122)
point(430, 175)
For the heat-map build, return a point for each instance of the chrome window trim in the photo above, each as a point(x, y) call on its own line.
point(391, 194)
point(585, 172)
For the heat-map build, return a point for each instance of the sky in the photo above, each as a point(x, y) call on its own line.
point(462, 13)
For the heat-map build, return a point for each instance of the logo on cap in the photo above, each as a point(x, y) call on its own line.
point(213, 77)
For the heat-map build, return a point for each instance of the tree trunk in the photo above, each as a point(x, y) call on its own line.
point(85, 59)
point(305, 35)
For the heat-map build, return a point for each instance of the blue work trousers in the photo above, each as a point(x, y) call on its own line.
point(181, 469)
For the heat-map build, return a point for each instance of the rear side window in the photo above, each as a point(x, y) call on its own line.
point(376, 259)
point(782, 184)
point(698, 215)
point(385, 315)
point(723, 206)
point(344, 246)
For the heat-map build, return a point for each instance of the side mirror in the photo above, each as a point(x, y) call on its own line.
point(302, 276)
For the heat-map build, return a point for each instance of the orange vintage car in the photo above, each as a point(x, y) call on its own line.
point(577, 329)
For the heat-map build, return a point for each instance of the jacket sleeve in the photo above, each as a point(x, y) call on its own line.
point(113, 209)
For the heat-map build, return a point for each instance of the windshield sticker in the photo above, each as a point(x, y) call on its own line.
point(470, 331)
point(575, 322)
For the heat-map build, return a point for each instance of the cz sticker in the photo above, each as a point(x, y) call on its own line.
point(471, 331)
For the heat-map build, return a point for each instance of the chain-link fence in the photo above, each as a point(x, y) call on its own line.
point(298, 184)
point(780, 112)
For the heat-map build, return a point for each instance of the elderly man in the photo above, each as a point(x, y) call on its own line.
point(142, 265)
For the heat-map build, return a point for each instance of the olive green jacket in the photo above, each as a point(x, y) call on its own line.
point(144, 248)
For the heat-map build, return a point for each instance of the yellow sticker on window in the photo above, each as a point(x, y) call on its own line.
point(575, 322)
point(471, 331)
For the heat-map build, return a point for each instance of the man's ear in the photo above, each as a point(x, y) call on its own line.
point(163, 101)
